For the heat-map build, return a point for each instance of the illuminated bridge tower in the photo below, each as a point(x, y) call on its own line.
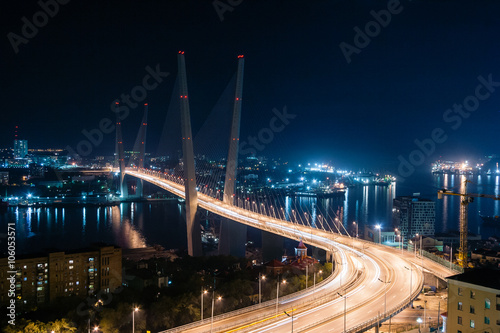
point(192, 220)
point(141, 140)
point(233, 235)
point(120, 157)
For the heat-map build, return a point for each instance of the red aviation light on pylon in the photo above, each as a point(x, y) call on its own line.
point(240, 56)
point(181, 52)
point(145, 104)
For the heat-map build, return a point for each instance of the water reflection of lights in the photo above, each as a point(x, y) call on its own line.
point(125, 233)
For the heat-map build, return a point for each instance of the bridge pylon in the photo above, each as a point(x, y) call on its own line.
point(191, 196)
point(141, 142)
point(120, 157)
point(232, 234)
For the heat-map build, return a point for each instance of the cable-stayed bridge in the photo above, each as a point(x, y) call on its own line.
point(371, 282)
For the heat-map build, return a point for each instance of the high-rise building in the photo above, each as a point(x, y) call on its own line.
point(414, 215)
point(474, 301)
point(20, 148)
point(43, 278)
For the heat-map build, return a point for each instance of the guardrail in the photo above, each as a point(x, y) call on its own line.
point(283, 227)
point(250, 308)
point(371, 322)
point(354, 278)
point(442, 261)
point(306, 304)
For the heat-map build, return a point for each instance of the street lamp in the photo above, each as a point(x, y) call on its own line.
point(421, 253)
point(419, 321)
point(213, 305)
point(278, 292)
point(425, 308)
point(340, 274)
point(356, 228)
point(203, 292)
point(345, 309)
point(133, 318)
point(385, 294)
point(96, 328)
point(415, 246)
point(379, 233)
point(411, 274)
point(261, 278)
point(399, 236)
point(314, 278)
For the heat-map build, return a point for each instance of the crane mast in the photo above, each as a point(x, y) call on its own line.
point(466, 199)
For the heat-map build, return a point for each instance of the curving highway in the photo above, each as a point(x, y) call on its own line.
point(377, 281)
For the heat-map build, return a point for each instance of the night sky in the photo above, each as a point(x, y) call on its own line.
point(365, 113)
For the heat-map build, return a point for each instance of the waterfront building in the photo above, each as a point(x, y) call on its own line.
point(41, 278)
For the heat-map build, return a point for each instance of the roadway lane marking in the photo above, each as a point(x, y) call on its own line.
point(257, 322)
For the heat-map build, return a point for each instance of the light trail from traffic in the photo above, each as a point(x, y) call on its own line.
point(361, 275)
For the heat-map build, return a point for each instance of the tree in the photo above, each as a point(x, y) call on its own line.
point(61, 325)
point(27, 326)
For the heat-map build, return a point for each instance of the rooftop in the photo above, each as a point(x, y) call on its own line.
point(485, 277)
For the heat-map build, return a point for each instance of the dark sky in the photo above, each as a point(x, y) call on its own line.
point(364, 113)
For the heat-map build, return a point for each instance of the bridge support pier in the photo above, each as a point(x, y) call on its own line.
point(232, 239)
point(139, 188)
point(319, 254)
point(272, 246)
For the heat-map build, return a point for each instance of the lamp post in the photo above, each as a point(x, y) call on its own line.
point(415, 245)
point(290, 316)
point(307, 276)
point(398, 237)
point(425, 308)
point(419, 321)
point(356, 228)
point(385, 294)
point(203, 292)
point(277, 293)
point(340, 275)
point(314, 278)
point(213, 305)
point(345, 309)
point(379, 233)
point(421, 253)
point(261, 278)
point(133, 318)
point(421, 260)
point(402, 242)
point(411, 274)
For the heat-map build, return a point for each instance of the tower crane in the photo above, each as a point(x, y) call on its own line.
point(466, 198)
